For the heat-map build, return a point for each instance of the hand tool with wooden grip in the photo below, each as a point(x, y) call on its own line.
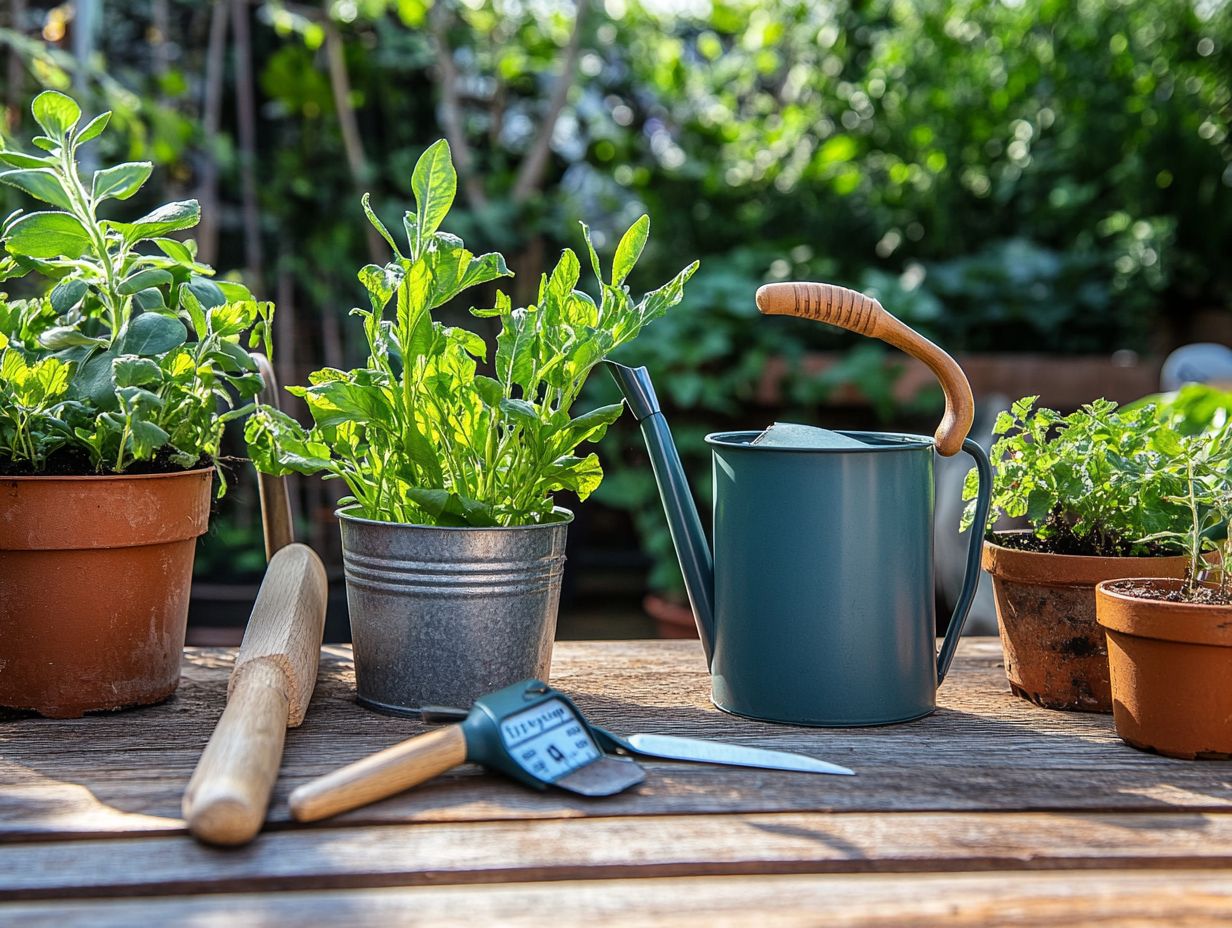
point(274, 676)
point(863, 315)
point(535, 735)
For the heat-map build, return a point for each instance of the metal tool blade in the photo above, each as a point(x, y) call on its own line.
point(670, 747)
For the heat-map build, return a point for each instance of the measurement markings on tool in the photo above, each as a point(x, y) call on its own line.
point(548, 741)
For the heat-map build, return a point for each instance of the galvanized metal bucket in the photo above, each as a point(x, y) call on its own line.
point(441, 616)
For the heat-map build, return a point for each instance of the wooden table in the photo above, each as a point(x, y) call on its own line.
point(992, 811)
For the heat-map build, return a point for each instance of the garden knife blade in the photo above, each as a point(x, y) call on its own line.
point(696, 750)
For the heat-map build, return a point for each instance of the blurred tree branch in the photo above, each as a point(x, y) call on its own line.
point(451, 108)
point(530, 173)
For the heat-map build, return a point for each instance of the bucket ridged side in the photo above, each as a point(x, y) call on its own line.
point(442, 616)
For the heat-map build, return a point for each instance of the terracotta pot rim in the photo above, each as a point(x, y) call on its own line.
point(104, 512)
point(69, 478)
point(1046, 569)
point(1194, 623)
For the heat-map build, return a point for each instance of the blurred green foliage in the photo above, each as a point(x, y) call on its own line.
point(1007, 175)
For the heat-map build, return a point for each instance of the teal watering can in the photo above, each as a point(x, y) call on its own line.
point(817, 605)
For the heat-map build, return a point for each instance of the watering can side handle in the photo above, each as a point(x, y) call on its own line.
point(971, 579)
point(863, 315)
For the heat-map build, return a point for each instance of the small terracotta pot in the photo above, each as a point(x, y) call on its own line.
point(1171, 669)
point(1055, 652)
point(94, 584)
point(672, 619)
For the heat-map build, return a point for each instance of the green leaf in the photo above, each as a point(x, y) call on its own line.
point(175, 250)
point(56, 113)
point(564, 277)
point(66, 336)
point(135, 372)
point(208, 293)
point(67, 294)
point(196, 312)
point(94, 128)
point(522, 412)
point(434, 183)
point(581, 475)
point(517, 348)
point(41, 183)
point(380, 282)
point(147, 437)
point(172, 217)
point(150, 277)
point(593, 425)
point(21, 160)
point(150, 300)
point(489, 390)
point(594, 258)
point(630, 249)
point(122, 180)
point(378, 225)
point(153, 334)
point(95, 383)
point(47, 235)
point(234, 292)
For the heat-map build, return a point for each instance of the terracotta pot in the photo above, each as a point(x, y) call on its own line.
point(1055, 652)
point(94, 583)
point(672, 619)
point(1171, 669)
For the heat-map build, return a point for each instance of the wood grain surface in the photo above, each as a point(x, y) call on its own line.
point(960, 813)
point(1178, 899)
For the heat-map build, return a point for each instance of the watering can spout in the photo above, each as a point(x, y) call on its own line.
point(696, 561)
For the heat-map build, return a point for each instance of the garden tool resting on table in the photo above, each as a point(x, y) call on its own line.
point(817, 606)
point(535, 735)
point(274, 676)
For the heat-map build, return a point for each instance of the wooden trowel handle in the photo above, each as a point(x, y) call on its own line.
point(275, 672)
point(379, 775)
point(863, 315)
point(227, 797)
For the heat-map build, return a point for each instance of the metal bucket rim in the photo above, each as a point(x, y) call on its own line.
point(894, 441)
point(563, 518)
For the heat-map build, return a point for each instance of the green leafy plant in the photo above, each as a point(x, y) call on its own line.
point(419, 435)
point(1096, 482)
point(1202, 462)
point(134, 353)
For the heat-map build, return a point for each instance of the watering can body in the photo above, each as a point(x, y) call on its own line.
point(823, 581)
point(816, 606)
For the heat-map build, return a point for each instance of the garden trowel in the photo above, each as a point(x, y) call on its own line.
point(274, 676)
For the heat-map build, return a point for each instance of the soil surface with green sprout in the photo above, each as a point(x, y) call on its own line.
point(1146, 589)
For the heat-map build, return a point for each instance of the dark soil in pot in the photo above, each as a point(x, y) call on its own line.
point(1055, 652)
point(95, 575)
point(1171, 664)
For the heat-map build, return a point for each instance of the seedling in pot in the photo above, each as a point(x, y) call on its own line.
point(1201, 462)
point(1098, 482)
point(130, 355)
point(418, 435)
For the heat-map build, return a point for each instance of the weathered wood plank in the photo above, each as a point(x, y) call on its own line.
point(651, 846)
point(983, 750)
point(1127, 899)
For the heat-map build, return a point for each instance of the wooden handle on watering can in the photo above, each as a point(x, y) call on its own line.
point(380, 775)
point(863, 315)
point(275, 673)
